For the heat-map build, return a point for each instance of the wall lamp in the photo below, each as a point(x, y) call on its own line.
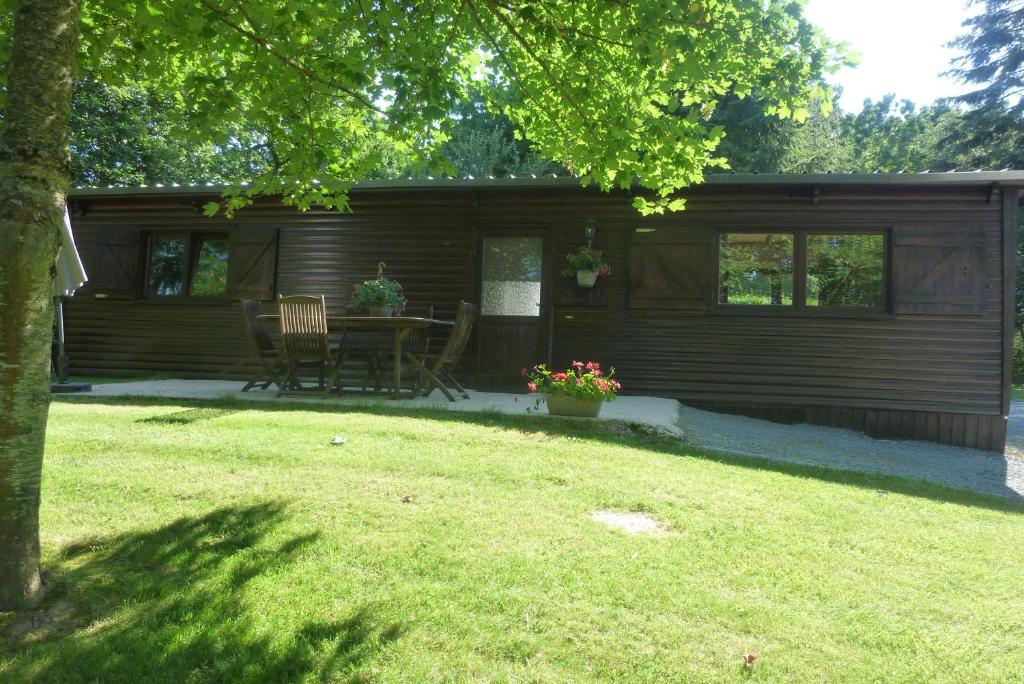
point(590, 230)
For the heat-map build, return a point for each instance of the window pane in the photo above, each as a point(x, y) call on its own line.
point(755, 268)
point(512, 269)
point(210, 278)
point(166, 265)
point(846, 270)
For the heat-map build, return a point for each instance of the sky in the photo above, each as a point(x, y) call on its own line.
point(901, 43)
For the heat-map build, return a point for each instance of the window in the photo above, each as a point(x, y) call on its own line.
point(846, 270)
point(803, 270)
point(166, 275)
point(187, 264)
point(210, 273)
point(512, 270)
point(755, 268)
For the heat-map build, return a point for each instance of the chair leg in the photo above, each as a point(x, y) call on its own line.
point(431, 376)
point(455, 383)
point(290, 381)
point(338, 368)
point(377, 376)
point(252, 383)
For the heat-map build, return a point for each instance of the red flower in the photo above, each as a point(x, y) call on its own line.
point(559, 376)
point(602, 385)
point(594, 367)
point(532, 386)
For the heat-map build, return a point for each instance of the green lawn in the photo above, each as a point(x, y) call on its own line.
point(218, 542)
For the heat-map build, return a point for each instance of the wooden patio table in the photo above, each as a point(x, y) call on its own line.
point(402, 326)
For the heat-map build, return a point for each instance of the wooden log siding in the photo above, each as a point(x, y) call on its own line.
point(937, 375)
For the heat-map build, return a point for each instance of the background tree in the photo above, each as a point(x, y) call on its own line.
point(338, 86)
point(126, 135)
point(485, 144)
point(993, 57)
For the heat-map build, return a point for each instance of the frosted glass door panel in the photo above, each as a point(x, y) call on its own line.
point(512, 270)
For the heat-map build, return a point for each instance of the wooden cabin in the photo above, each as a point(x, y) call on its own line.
point(878, 302)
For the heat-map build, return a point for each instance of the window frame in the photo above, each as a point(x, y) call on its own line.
point(193, 243)
point(799, 307)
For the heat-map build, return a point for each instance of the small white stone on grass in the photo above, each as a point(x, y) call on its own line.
point(337, 441)
point(634, 523)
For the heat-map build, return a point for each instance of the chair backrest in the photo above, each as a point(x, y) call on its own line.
point(459, 336)
point(258, 334)
point(304, 327)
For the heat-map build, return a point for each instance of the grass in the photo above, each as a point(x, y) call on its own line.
point(219, 542)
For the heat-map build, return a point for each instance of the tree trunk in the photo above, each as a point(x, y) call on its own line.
point(35, 171)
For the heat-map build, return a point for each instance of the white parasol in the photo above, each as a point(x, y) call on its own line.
point(70, 272)
point(69, 276)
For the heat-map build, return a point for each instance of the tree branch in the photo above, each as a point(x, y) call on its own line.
point(264, 43)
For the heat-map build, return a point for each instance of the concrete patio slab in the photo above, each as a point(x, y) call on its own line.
point(661, 414)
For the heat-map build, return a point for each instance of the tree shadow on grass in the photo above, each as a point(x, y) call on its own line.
point(188, 416)
point(175, 604)
point(621, 433)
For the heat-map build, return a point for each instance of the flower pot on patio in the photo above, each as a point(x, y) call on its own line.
point(564, 405)
point(380, 311)
point(586, 278)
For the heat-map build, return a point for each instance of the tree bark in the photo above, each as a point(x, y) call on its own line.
point(35, 171)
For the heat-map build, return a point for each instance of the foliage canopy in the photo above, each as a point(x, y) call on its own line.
point(616, 92)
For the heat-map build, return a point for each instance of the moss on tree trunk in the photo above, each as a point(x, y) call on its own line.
point(34, 177)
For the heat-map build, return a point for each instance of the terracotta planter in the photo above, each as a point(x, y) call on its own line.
point(564, 405)
point(586, 278)
point(380, 311)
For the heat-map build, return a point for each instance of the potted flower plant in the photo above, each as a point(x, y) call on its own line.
point(380, 297)
point(586, 263)
point(580, 390)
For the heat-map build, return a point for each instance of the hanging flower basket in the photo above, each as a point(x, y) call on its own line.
point(586, 263)
point(586, 278)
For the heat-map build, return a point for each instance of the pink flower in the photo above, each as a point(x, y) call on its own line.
point(561, 377)
point(594, 367)
point(616, 385)
point(602, 385)
point(532, 386)
point(578, 365)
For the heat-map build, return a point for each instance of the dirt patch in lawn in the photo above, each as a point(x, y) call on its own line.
point(633, 523)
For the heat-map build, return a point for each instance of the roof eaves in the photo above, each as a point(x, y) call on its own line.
point(978, 177)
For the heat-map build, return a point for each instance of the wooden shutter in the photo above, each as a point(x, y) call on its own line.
point(118, 260)
point(252, 262)
point(670, 268)
point(939, 272)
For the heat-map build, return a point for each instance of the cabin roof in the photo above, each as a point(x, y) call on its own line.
point(979, 177)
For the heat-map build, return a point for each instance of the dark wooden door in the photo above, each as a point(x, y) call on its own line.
point(513, 290)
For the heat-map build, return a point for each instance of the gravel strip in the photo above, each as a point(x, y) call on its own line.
point(957, 467)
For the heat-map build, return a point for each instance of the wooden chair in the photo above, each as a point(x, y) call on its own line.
point(272, 363)
point(364, 343)
point(304, 340)
point(441, 364)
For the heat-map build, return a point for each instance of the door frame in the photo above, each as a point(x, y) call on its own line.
point(545, 321)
